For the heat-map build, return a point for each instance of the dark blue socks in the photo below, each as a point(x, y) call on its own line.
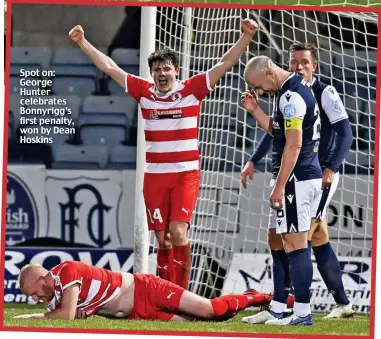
point(301, 274)
point(281, 276)
point(330, 271)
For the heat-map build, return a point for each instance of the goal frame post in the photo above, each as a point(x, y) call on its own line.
point(141, 233)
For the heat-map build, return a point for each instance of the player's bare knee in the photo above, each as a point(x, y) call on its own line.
point(294, 241)
point(178, 232)
point(274, 240)
point(313, 228)
point(162, 240)
point(321, 236)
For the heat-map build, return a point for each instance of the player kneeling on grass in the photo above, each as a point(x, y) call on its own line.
point(73, 290)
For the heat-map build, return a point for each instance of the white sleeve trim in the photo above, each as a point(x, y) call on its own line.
point(340, 119)
point(207, 76)
point(332, 105)
point(292, 105)
point(71, 284)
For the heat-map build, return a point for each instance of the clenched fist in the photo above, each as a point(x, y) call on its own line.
point(77, 34)
point(249, 27)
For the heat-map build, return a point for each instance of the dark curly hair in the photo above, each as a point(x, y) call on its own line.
point(164, 55)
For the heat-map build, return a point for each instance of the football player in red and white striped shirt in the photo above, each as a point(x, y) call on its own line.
point(171, 111)
point(73, 290)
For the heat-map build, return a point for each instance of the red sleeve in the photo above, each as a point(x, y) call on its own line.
point(69, 275)
point(135, 86)
point(199, 85)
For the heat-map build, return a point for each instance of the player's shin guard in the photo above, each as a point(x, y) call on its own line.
point(182, 264)
point(228, 306)
point(165, 264)
point(301, 277)
point(330, 271)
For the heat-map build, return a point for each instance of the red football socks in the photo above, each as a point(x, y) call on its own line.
point(228, 306)
point(182, 264)
point(165, 264)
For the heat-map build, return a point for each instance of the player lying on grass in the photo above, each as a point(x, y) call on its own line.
point(171, 110)
point(335, 142)
point(75, 290)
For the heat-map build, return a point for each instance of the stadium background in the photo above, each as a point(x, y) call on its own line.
point(50, 205)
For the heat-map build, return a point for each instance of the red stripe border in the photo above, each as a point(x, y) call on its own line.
point(198, 5)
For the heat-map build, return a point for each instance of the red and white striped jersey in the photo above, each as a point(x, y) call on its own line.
point(97, 285)
point(171, 122)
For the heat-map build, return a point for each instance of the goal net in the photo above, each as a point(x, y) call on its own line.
point(229, 228)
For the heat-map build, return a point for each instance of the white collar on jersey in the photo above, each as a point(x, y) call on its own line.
point(178, 86)
point(285, 80)
point(313, 80)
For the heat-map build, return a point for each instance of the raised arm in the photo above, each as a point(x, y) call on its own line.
point(249, 101)
point(231, 57)
point(104, 63)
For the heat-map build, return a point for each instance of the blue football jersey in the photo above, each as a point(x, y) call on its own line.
point(331, 110)
point(295, 99)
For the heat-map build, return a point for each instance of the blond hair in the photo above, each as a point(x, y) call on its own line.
point(24, 271)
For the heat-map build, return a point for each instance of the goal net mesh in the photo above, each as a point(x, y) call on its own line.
point(229, 227)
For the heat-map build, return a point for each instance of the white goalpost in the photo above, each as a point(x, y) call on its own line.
point(228, 233)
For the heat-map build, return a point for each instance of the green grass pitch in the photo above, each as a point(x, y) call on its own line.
point(358, 325)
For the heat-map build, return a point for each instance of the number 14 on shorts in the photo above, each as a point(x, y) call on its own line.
point(155, 215)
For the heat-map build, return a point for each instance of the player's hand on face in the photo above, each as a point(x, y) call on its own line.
point(249, 100)
point(248, 170)
point(77, 34)
point(327, 178)
point(276, 198)
point(249, 27)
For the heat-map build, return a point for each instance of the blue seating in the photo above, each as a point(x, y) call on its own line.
point(29, 58)
point(86, 71)
point(80, 157)
point(127, 59)
point(100, 119)
point(15, 84)
point(111, 104)
point(73, 67)
point(122, 157)
point(60, 139)
point(71, 56)
point(74, 86)
point(110, 135)
point(103, 129)
point(74, 102)
point(10, 130)
point(114, 88)
point(14, 110)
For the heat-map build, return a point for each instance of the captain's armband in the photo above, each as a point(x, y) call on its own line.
point(293, 123)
